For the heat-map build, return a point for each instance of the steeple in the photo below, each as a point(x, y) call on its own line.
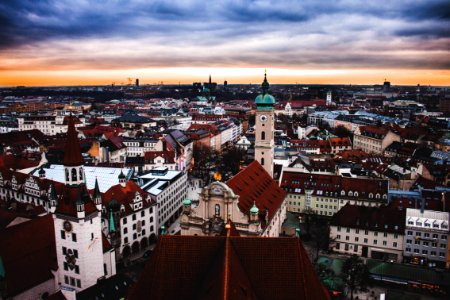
point(72, 151)
point(97, 196)
point(265, 84)
point(122, 179)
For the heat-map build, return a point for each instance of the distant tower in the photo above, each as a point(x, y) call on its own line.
point(77, 224)
point(328, 98)
point(225, 83)
point(264, 128)
point(137, 82)
point(209, 84)
point(386, 86)
point(418, 93)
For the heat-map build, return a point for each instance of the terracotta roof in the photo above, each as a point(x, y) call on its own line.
point(383, 218)
point(72, 151)
point(11, 161)
point(28, 253)
point(124, 195)
point(67, 202)
point(254, 184)
point(169, 156)
point(333, 185)
point(228, 268)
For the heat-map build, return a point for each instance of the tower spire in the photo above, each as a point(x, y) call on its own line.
point(72, 151)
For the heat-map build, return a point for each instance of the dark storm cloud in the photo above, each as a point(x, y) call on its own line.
point(283, 32)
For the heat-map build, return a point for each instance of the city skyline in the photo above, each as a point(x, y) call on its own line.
point(344, 42)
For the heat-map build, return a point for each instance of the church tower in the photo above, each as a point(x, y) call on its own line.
point(264, 128)
point(77, 224)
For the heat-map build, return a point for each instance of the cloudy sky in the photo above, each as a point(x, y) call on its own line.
point(51, 42)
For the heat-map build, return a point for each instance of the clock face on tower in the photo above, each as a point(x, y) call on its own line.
point(263, 118)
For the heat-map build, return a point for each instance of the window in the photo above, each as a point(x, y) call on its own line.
point(63, 234)
point(417, 242)
point(408, 249)
point(338, 246)
point(66, 279)
point(443, 245)
point(365, 241)
point(124, 221)
point(366, 232)
point(347, 238)
point(424, 251)
point(375, 234)
point(418, 234)
point(426, 234)
point(64, 250)
point(125, 240)
point(74, 237)
point(134, 217)
point(74, 174)
point(338, 237)
point(384, 243)
point(395, 235)
point(77, 269)
point(355, 248)
point(75, 253)
point(263, 135)
point(125, 230)
point(425, 244)
point(346, 247)
point(66, 266)
point(434, 245)
point(357, 231)
point(410, 232)
point(356, 239)
point(92, 236)
point(385, 234)
point(217, 210)
point(134, 226)
point(339, 228)
point(134, 236)
point(262, 161)
point(443, 237)
point(416, 250)
point(105, 269)
point(78, 283)
point(143, 213)
point(375, 242)
point(72, 281)
point(394, 244)
point(143, 232)
point(433, 253)
point(441, 254)
point(348, 229)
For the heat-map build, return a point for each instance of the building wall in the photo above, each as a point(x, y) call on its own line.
point(264, 148)
point(352, 240)
point(88, 244)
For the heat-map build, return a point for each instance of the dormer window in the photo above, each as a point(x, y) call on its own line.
point(370, 196)
point(342, 193)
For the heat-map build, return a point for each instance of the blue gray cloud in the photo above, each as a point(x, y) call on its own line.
point(284, 33)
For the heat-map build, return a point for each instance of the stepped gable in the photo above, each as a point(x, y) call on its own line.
point(229, 267)
point(254, 184)
point(72, 151)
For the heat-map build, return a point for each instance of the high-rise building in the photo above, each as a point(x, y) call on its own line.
point(264, 128)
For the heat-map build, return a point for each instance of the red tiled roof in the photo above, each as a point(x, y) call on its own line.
point(228, 268)
point(383, 218)
point(10, 161)
point(28, 253)
point(72, 151)
point(169, 156)
point(67, 201)
point(332, 185)
point(124, 195)
point(106, 245)
point(254, 184)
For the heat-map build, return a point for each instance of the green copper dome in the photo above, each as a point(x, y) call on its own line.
point(254, 210)
point(187, 201)
point(265, 100)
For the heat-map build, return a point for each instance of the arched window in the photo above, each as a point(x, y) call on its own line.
point(262, 161)
point(74, 174)
point(217, 210)
point(263, 135)
point(81, 173)
point(67, 175)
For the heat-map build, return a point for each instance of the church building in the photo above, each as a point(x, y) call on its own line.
point(251, 200)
